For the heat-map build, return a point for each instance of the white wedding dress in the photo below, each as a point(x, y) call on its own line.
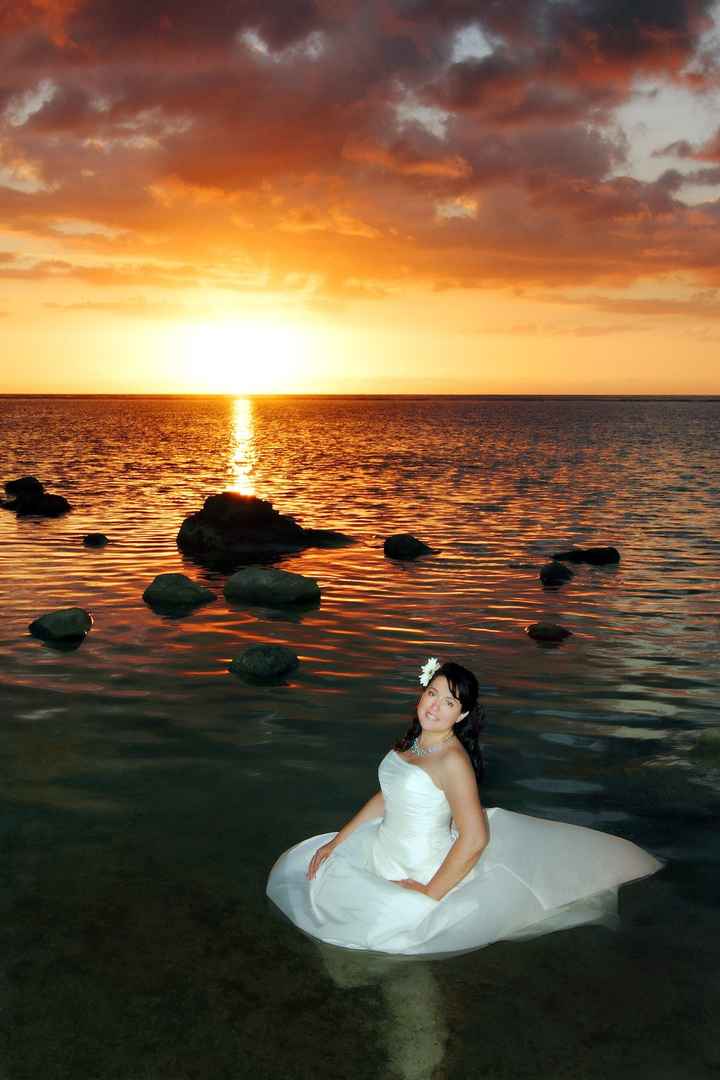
point(534, 876)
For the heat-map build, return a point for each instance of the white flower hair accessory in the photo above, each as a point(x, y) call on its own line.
point(429, 669)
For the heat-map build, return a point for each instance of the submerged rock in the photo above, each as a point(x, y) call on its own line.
point(555, 573)
point(235, 528)
point(708, 745)
point(263, 585)
point(38, 505)
point(265, 662)
point(547, 631)
point(596, 556)
point(95, 540)
point(326, 538)
point(64, 625)
point(176, 591)
point(405, 546)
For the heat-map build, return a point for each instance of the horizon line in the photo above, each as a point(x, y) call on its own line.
point(360, 394)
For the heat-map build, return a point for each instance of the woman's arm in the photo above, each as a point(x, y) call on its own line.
point(373, 808)
point(458, 782)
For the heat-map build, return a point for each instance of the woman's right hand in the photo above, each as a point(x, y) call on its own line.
point(319, 858)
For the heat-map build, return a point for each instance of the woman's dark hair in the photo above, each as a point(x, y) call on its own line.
point(464, 686)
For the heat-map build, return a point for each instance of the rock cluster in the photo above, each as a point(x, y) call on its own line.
point(242, 528)
point(28, 498)
point(555, 573)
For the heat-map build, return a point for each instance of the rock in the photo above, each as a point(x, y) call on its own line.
point(405, 546)
point(596, 556)
point(262, 585)
point(67, 624)
point(42, 505)
point(176, 591)
point(95, 540)
point(265, 662)
point(708, 745)
point(26, 485)
point(236, 528)
point(555, 573)
point(547, 631)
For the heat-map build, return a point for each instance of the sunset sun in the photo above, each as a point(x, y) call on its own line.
point(243, 356)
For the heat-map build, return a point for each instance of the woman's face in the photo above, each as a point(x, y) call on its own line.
point(438, 708)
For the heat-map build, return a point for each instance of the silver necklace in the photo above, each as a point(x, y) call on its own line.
point(422, 751)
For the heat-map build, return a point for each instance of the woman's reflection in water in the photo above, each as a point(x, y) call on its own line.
point(415, 1033)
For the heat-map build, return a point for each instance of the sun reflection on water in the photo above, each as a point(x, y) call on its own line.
point(242, 449)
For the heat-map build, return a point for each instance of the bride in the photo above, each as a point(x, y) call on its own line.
point(422, 868)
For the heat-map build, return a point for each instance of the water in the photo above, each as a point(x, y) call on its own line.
point(147, 790)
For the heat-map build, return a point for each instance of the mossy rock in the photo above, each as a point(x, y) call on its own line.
point(265, 663)
point(262, 585)
point(64, 625)
point(176, 591)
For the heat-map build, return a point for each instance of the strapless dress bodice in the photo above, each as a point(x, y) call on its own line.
point(415, 833)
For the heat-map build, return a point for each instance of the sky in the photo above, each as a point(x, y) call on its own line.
point(391, 196)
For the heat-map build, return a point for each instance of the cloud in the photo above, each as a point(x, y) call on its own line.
point(707, 151)
point(134, 307)
point(401, 159)
point(550, 329)
point(352, 147)
point(703, 304)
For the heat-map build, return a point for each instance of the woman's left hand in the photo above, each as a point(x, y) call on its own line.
point(415, 886)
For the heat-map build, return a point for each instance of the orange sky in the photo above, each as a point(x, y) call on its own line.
point(389, 196)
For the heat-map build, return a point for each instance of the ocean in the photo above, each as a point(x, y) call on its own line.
point(147, 790)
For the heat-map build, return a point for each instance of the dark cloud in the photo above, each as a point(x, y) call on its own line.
point(681, 148)
point(334, 142)
point(708, 151)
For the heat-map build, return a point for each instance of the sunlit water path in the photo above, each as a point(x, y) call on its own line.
point(147, 790)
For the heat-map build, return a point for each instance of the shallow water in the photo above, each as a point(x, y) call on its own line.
point(148, 790)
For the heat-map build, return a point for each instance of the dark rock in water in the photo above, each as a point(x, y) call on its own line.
point(26, 485)
point(176, 591)
point(555, 573)
point(64, 625)
point(265, 662)
point(596, 556)
point(547, 631)
point(708, 746)
point(263, 585)
point(95, 540)
point(235, 528)
point(43, 505)
point(405, 546)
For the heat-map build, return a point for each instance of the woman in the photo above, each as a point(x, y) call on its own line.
point(423, 869)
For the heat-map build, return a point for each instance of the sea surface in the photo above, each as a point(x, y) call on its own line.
point(146, 790)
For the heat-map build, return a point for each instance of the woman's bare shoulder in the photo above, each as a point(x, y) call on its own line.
point(456, 765)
